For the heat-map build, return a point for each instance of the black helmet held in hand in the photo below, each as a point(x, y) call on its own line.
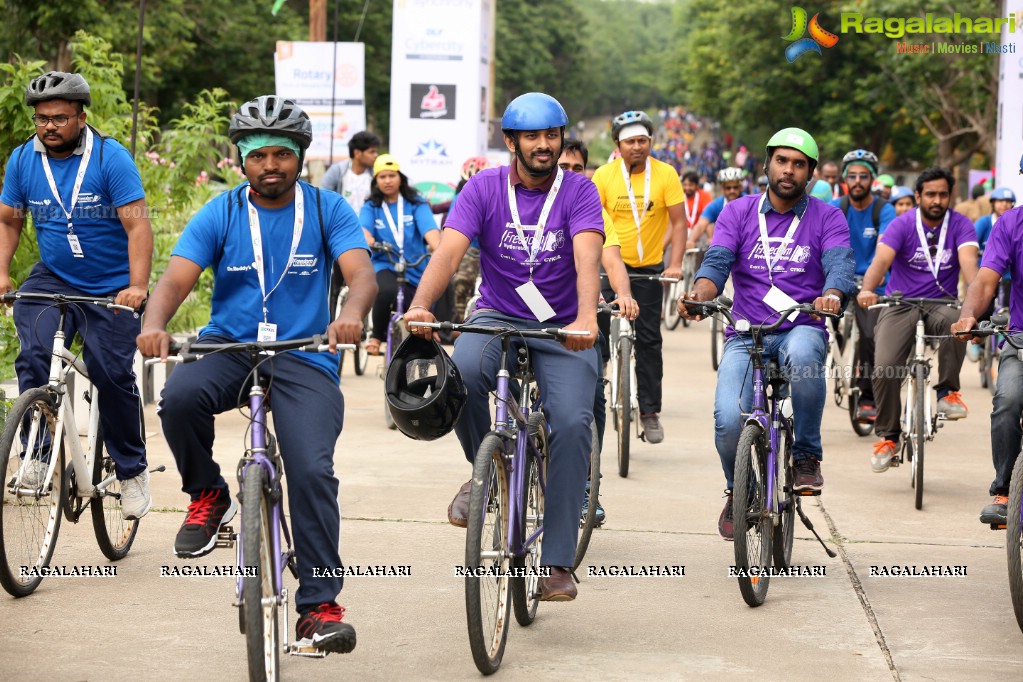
point(424, 390)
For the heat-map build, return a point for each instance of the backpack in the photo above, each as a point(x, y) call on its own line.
point(875, 212)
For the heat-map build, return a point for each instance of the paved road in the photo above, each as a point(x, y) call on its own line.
point(845, 625)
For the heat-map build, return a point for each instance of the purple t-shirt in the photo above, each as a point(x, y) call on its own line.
point(799, 271)
point(1004, 253)
point(910, 273)
point(482, 212)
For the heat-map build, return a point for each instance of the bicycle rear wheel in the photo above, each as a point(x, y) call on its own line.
point(114, 533)
point(781, 543)
point(717, 341)
point(525, 589)
point(751, 510)
point(487, 599)
point(1014, 540)
point(361, 356)
point(29, 513)
point(623, 406)
point(671, 316)
point(919, 433)
point(259, 593)
point(589, 521)
point(862, 428)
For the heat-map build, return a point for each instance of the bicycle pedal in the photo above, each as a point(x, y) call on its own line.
point(226, 537)
point(997, 526)
point(307, 651)
point(808, 493)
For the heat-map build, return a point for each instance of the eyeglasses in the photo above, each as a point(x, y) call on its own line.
point(57, 121)
point(857, 176)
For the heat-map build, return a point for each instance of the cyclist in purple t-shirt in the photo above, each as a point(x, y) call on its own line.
point(926, 248)
point(540, 229)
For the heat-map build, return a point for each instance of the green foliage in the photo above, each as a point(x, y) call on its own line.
point(15, 117)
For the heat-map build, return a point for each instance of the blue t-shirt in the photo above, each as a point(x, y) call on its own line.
point(863, 234)
point(298, 305)
point(715, 207)
point(106, 186)
point(418, 221)
point(983, 227)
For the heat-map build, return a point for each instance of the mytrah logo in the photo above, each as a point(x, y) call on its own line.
point(818, 36)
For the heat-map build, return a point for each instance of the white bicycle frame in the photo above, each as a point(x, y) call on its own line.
point(624, 330)
point(840, 365)
point(919, 355)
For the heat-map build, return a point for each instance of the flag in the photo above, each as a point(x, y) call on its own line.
point(277, 7)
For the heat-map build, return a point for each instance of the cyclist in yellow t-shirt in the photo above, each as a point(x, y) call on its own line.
point(645, 200)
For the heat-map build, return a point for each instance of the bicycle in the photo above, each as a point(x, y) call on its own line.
point(763, 497)
point(988, 360)
point(265, 540)
point(675, 289)
point(504, 537)
point(38, 490)
point(360, 353)
point(845, 371)
point(920, 422)
point(396, 332)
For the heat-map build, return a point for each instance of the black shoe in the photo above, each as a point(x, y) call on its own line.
point(808, 475)
point(997, 512)
point(726, 522)
point(599, 516)
point(322, 629)
point(198, 534)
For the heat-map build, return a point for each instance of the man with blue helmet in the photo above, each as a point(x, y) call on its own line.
point(539, 229)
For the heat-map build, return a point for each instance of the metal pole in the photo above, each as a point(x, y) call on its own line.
point(333, 83)
point(138, 77)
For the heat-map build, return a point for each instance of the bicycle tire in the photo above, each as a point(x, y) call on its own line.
point(919, 433)
point(336, 298)
point(861, 428)
point(525, 590)
point(259, 594)
point(983, 363)
point(114, 533)
point(671, 316)
point(992, 369)
point(687, 286)
point(397, 335)
point(781, 543)
point(360, 352)
point(487, 522)
point(717, 341)
point(623, 406)
point(589, 522)
point(29, 525)
point(753, 526)
point(1014, 540)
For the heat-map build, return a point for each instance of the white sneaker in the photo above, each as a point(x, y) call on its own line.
point(135, 498)
point(973, 352)
point(33, 473)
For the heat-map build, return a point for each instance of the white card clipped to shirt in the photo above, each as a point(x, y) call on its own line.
point(538, 305)
point(267, 332)
point(779, 301)
point(76, 246)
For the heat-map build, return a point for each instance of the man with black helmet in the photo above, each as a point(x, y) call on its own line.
point(92, 225)
point(540, 232)
point(270, 243)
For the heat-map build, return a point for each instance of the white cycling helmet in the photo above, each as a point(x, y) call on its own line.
point(732, 174)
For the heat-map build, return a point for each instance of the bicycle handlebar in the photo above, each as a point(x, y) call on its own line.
point(659, 278)
point(994, 327)
point(65, 299)
point(190, 352)
point(723, 305)
point(544, 333)
point(898, 299)
point(396, 257)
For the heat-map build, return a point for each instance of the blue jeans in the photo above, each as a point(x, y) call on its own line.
point(1005, 428)
point(567, 380)
point(800, 352)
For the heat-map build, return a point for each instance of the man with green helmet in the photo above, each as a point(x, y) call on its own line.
point(885, 183)
point(781, 248)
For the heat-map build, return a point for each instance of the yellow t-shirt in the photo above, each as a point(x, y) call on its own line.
point(665, 191)
point(610, 233)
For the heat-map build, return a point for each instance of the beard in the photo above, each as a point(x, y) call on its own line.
point(794, 193)
point(275, 190)
point(60, 145)
point(859, 192)
point(537, 169)
point(934, 212)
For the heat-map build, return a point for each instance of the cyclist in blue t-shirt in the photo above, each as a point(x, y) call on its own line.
point(88, 208)
point(301, 231)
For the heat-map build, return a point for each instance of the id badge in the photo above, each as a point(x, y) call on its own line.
point(779, 301)
point(267, 332)
point(76, 247)
point(538, 305)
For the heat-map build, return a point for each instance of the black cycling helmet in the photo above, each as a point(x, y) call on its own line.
point(272, 114)
point(424, 390)
point(628, 118)
point(58, 85)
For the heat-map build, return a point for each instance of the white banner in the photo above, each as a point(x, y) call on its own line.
point(440, 74)
point(303, 73)
point(1010, 104)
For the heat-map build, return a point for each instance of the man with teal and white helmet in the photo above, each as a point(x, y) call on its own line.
point(806, 259)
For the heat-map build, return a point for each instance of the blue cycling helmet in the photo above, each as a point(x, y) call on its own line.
point(821, 190)
point(1003, 194)
point(900, 192)
point(534, 111)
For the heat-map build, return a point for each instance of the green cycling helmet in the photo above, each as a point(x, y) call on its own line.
point(796, 138)
point(886, 180)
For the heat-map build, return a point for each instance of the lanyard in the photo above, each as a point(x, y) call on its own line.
point(691, 217)
point(934, 265)
point(636, 215)
point(541, 221)
point(82, 166)
point(257, 242)
point(398, 232)
point(765, 243)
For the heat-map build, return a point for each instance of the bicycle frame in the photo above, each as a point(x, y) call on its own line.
point(919, 358)
point(624, 331)
point(766, 413)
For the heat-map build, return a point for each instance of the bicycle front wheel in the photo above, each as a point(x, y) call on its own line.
point(361, 356)
point(671, 316)
point(717, 341)
point(919, 433)
point(525, 589)
point(1014, 540)
point(781, 543)
point(862, 428)
point(114, 533)
point(623, 406)
point(752, 516)
point(259, 594)
point(486, 557)
point(30, 511)
point(589, 521)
